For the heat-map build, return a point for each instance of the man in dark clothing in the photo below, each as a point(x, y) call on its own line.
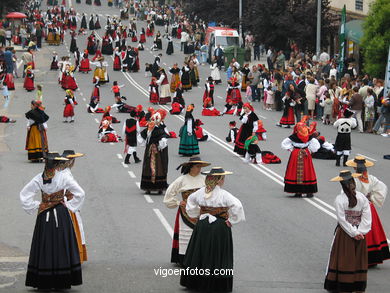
point(8, 60)
point(218, 55)
point(356, 105)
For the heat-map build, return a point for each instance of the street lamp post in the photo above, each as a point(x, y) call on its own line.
point(318, 38)
point(239, 21)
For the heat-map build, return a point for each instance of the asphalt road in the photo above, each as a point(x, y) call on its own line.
point(282, 247)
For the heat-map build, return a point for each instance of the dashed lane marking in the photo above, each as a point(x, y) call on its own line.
point(131, 174)
point(120, 157)
point(148, 198)
point(96, 120)
point(123, 164)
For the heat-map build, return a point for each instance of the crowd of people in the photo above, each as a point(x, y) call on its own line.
point(304, 87)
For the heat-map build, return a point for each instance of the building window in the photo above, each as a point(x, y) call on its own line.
point(359, 5)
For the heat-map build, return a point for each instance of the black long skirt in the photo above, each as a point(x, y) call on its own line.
point(54, 261)
point(210, 251)
point(159, 183)
point(169, 48)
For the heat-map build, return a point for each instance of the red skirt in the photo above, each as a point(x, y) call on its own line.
point(69, 83)
point(378, 248)
point(9, 80)
point(109, 137)
point(208, 112)
point(29, 84)
point(143, 122)
point(117, 63)
point(289, 119)
point(164, 100)
point(142, 38)
point(149, 33)
point(84, 66)
point(153, 98)
point(68, 110)
point(235, 96)
point(134, 39)
point(300, 175)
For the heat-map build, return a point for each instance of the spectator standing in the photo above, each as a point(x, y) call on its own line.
point(356, 105)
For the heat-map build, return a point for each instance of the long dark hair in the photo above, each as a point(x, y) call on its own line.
point(351, 194)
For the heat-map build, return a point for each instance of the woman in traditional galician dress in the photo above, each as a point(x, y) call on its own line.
point(375, 191)
point(175, 80)
point(142, 38)
point(188, 143)
point(155, 163)
point(190, 181)
point(29, 79)
point(70, 103)
point(36, 141)
point(185, 77)
point(248, 128)
point(78, 226)
point(100, 74)
point(84, 63)
point(288, 118)
point(165, 94)
point(54, 261)
point(300, 177)
point(211, 243)
point(347, 266)
point(117, 64)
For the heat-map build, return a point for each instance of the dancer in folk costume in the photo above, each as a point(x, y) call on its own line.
point(253, 152)
point(54, 261)
point(209, 109)
point(155, 163)
point(300, 177)
point(100, 74)
point(233, 131)
point(73, 43)
point(107, 44)
point(201, 135)
point(153, 91)
point(288, 117)
point(97, 22)
point(29, 79)
point(347, 266)
point(211, 243)
point(376, 192)
point(343, 140)
point(68, 80)
point(54, 62)
point(140, 116)
point(106, 133)
point(131, 129)
point(106, 114)
point(84, 63)
point(70, 103)
point(91, 24)
point(178, 102)
point(261, 133)
point(249, 127)
point(117, 64)
point(233, 91)
point(209, 90)
point(175, 80)
point(169, 50)
point(165, 95)
point(185, 77)
point(188, 142)
point(83, 24)
point(142, 38)
point(91, 44)
point(190, 181)
point(215, 74)
point(93, 106)
point(78, 226)
point(77, 58)
point(245, 72)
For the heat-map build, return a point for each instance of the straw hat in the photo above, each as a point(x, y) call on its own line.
point(217, 171)
point(195, 161)
point(344, 176)
point(54, 156)
point(359, 160)
point(70, 154)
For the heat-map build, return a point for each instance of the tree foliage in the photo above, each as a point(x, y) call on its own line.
point(278, 22)
point(9, 5)
point(376, 38)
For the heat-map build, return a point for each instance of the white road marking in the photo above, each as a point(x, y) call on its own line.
point(86, 105)
point(325, 204)
point(367, 157)
point(14, 259)
point(261, 116)
point(131, 174)
point(119, 156)
point(164, 63)
point(164, 222)
point(138, 185)
point(70, 3)
point(123, 164)
point(19, 63)
point(148, 198)
point(85, 100)
point(96, 120)
point(111, 143)
point(81, 94)
point(219, 97)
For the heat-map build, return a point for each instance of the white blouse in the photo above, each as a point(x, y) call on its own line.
point(356, 220)
point(313, 145)
point(218, 198)
point(376, 188)
point(61, 180)
point(181, 184)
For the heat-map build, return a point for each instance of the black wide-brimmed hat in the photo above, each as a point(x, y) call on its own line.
point(344, 176)
point(70, 154)
point(195, 161)
point(217, 171)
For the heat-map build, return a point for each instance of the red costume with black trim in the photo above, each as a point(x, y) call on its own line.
point(300, 176)
point(288, 117)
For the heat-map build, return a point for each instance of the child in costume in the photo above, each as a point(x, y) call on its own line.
point(253, 152)
point(201, 135)
point(232, 132)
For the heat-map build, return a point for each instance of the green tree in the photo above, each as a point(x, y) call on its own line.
point(278, 22)
point(376, 38)
point(9, 5)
